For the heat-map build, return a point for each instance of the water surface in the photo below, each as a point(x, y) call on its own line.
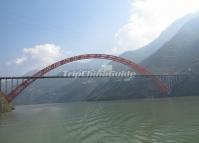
point(172, 120)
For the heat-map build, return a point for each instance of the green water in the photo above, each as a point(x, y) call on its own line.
point(172, 120)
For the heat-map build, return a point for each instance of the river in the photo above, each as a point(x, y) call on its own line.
point(168, 120)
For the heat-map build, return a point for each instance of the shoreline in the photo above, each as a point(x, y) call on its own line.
point(4, 105)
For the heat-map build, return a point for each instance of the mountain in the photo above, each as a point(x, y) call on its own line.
point(178, 55)
point(143, 53)
point(60, 90)
point(57, 90)
point(172, 52)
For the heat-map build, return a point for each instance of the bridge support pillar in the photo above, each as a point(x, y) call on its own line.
point(0, 85)
point(12, 84)
point(6, 86)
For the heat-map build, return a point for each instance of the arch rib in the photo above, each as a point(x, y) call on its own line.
point(14, 93)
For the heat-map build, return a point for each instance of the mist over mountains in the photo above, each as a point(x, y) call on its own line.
point(176, 50)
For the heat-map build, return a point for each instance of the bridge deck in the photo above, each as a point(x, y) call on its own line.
point(53, 77)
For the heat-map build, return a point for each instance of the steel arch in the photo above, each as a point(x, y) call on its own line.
point(15, 92)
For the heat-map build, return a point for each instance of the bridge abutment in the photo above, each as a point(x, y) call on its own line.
point(4, 105)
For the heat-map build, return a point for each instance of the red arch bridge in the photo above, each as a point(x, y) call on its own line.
point(19, 86)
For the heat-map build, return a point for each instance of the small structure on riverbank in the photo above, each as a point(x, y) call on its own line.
point(4, 105)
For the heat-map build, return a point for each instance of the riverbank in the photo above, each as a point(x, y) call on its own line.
point(4, 105)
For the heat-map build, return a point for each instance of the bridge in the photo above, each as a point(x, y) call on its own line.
point(18, 87)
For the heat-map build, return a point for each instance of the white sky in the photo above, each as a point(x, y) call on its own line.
point(148, 19)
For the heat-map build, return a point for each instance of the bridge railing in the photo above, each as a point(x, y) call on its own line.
point(9, 83)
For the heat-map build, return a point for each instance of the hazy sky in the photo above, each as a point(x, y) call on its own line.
point(35, 33)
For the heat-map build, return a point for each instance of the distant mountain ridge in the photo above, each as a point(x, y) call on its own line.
point(167, 54)
point(179, 52)
point(143, 53)
point(174, 57)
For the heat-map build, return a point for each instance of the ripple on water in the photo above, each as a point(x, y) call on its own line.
point(105, 122)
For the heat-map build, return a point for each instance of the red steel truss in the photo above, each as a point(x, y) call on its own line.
point(143, 71)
